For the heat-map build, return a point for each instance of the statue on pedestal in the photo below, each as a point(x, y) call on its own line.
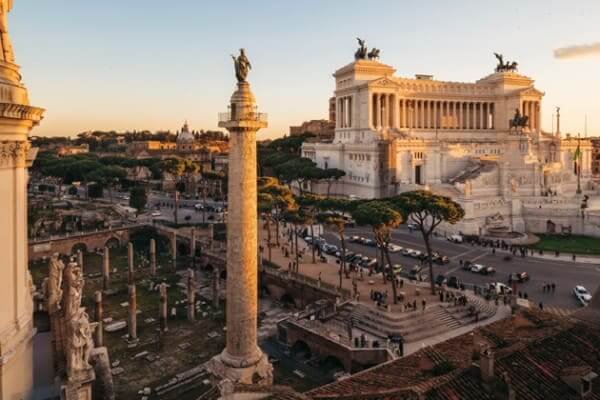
point(505, 66)
point(79, 343)
point(242, 66)
point(74, 290)
point(7, 51)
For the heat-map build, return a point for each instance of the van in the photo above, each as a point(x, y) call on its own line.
point(456, 238)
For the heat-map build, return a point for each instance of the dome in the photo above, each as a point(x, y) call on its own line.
point(185, 136)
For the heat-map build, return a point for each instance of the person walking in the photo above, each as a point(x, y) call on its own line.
point(541, 305)
point(424, 304)
point(553, 287)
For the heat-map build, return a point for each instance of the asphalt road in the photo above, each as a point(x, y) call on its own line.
point(564, 274)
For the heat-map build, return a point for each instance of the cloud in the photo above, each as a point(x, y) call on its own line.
point(578, 51)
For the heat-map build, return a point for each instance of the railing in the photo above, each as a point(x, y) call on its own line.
point(242, 115)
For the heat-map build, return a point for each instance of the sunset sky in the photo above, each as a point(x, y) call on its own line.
point(149, 64)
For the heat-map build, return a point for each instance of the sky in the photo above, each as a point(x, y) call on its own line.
point(150, 64)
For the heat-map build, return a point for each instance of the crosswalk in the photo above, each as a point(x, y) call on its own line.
point(558, 311)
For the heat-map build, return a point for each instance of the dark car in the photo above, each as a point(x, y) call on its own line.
point(440, 280)
point(416, 270)
point(518, 277)
point(454, 282)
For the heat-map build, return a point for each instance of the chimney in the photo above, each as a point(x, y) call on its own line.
point(580, 379)
point(486, 363)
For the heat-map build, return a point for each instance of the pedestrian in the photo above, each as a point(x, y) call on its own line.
point(401, 283)
point(414, 305)
point(544, 288)
point(553, 287)
point(574, 257)
point(424, 304)
point(541, 306)
point(493, 250)
point(525, 296)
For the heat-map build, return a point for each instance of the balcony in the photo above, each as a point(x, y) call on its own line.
point(242, 115)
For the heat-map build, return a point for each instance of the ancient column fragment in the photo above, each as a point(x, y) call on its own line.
point(132, 315)
point(80, 260)
point(130, 265)
point(106, 268)
point(152, 257)
point(162, 314)
point(98, 314)
point(191, 296)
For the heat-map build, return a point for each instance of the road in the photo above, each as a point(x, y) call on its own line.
point(564, 274)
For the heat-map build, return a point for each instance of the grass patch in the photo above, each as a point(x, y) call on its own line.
point(577, 244)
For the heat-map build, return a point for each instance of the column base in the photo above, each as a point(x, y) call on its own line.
point(259, 372)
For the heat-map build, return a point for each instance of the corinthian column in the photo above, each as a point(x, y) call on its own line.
point(17, 118)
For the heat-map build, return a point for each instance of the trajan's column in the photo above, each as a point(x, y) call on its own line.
point(242, 361)
point(17, 118)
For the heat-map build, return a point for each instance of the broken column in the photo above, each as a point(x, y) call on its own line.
point(211, 232)
point(193, 244)
point(98, 338)
point(216, 287)
point(105, 268)
point(174, 252)
point(152, 257)
point(130, 266)
point(80, 260)
point(191, 296)
point(132, 316)
point(163, 307)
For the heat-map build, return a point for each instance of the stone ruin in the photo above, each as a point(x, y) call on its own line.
point(79, 364)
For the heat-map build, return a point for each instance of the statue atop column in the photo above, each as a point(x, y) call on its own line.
point(242, 66)
point(5, 44)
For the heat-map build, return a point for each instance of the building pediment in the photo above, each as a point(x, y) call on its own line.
point(384, 82)
point(531, 91)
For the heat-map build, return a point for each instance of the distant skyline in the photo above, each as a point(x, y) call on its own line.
point(151, 65)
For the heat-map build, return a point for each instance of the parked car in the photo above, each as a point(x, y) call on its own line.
point(499, 288)
point(454, 282)
point(412, 225)
point(488, 271)
point(440, 280)
point(394, 248)
point(477, 268)
point(355, 239)
point(371, 264)
point(369, 242)
point(416, 254)
point(156, 214)
point(349, 255)
point(456, 238)
point(330, 249)
point(582, 295)
point(518, 277)
point(406, 251)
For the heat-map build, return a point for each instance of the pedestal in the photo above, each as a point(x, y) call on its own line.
point(259, 372)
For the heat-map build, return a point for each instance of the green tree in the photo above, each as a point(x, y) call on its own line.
point(176, 167)
point(138, 198)
point(382, 218)
point(332, 175)
point(333, 214)
point(427, 210)
point(274, 200)
point(296, 217)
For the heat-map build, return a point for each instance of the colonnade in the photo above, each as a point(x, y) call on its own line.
point(532, 110)
point(387, 111)
point(344, 112)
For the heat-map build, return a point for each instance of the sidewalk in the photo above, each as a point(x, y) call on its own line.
point(329, 273)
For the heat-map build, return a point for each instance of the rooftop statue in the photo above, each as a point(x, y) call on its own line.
point(374, 54)
point(242, 66)
point(361, 53)
point(505, 66)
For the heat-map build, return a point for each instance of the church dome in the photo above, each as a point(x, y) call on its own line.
point(185, 136)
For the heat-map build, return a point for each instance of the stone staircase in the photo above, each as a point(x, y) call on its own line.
point(415, 325)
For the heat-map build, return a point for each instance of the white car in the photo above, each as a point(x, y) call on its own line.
point(415, 253)
point(156, 214)
point(456, 239)
point(394, 248)
point(582, 295)
point(500, 288)
point(407, 251)
point(477, 268)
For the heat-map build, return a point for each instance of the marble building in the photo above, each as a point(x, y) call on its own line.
point(480, 143)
